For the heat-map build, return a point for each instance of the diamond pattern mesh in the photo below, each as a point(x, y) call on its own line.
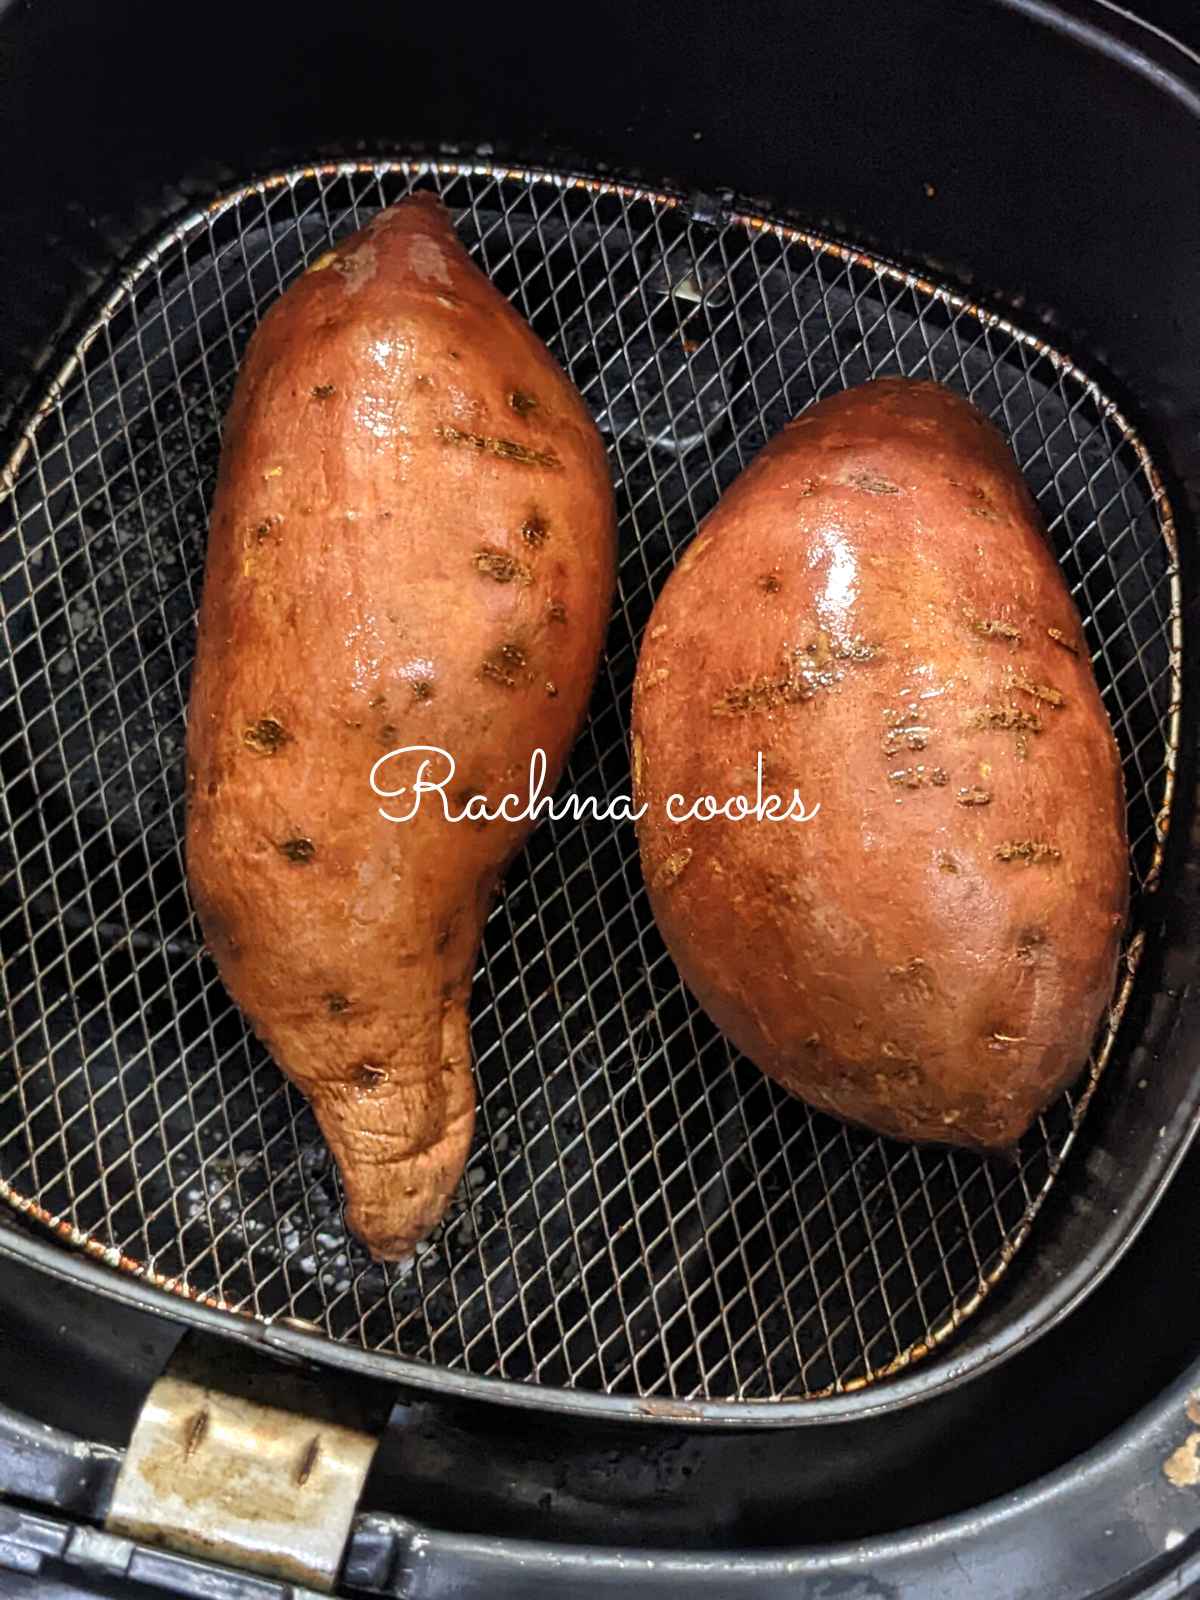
point(643, 1213)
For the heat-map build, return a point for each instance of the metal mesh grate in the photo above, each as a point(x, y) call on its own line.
point(643, 1213)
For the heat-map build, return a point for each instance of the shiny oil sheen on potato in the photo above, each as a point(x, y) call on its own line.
point(412, 544)
point(873, 607)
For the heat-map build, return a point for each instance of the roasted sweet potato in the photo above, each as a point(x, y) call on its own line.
point(873, 605)
point(412, 543)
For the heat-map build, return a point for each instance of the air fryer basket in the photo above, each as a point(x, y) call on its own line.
point(643, 1214)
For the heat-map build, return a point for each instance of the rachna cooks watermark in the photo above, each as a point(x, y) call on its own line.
point(432, 759)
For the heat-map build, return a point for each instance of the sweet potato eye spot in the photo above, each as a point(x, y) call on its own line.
point(265, 736)
point(522, 403)
point(872, 483)
point(337, 1003)
point(422, 689)
point(912, 737)
point(1033, 852)
point(1030, 942)
point(299, 851)
point(1046, 693)
point(919, 777)
point(672, 869)
point(323, 391)
point(914, 980)
point(500, 567)
point(820, 663)
point(535, 530)
point(368, 1076)
point(1008, 719)
point(997, 630)
point(503, 665)
point(503, 449)
point(1060, 637)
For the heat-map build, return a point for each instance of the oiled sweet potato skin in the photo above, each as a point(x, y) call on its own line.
point(874, 606)
point(412, 543)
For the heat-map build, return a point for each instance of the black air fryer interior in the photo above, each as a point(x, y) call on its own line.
point(1040, 158)
point(643, 1217)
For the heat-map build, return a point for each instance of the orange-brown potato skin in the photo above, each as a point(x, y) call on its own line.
point(412, 543)
point(874, 606)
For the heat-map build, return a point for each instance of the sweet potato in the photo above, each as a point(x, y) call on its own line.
point(873, 605)
point(412, 543)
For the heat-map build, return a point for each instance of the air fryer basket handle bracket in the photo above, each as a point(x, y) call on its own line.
point(261, 1488)
point(235, 1458)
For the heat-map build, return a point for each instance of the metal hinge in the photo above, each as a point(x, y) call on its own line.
point(227, 1477)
